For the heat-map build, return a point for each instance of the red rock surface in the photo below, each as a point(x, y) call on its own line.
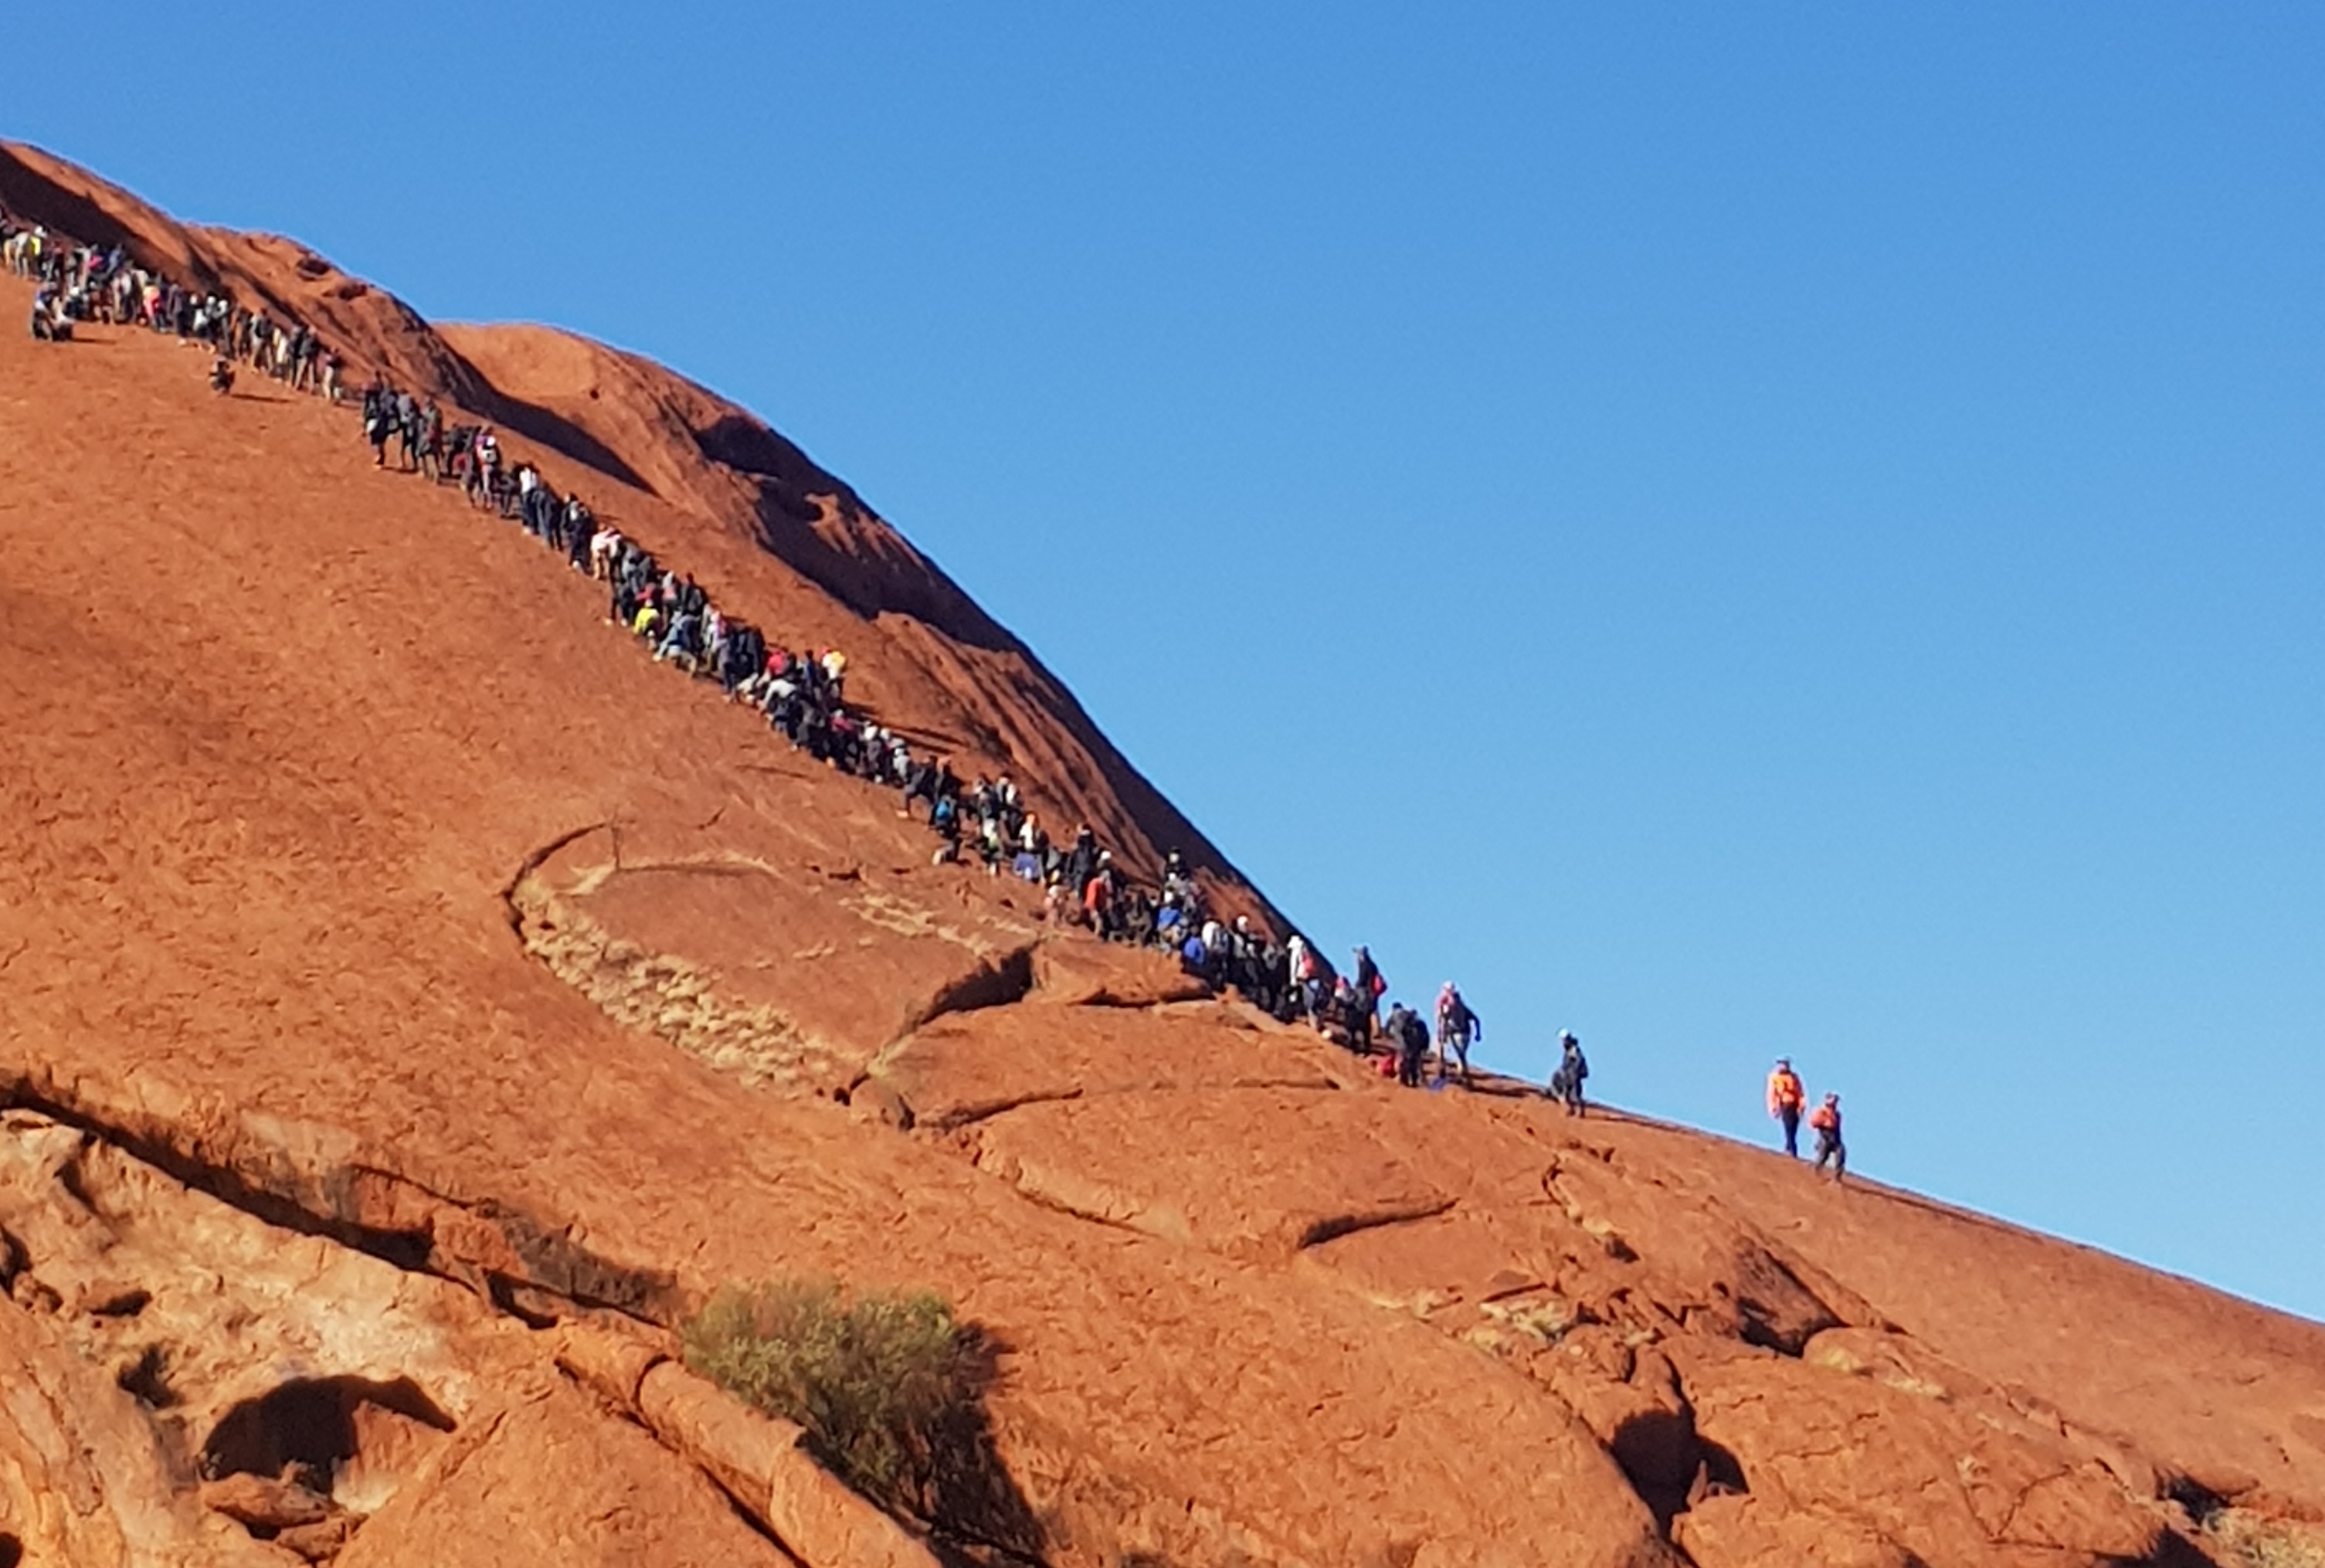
point(404, 986)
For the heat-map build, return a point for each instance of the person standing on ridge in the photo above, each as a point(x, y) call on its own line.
point(1825, 1120)
point(1785, 1099)
point(1366, 977)
point(1566, 1083)
point(1366, 988)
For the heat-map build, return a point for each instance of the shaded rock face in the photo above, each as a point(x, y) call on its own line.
point(411, 1000)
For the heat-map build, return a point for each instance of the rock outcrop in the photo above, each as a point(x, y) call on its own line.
point(411, 1000)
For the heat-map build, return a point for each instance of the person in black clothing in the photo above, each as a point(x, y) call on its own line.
point(1566, 1083)
point(933, 781)
point(1367, 979)
point(1364, 998)
point(1081, 862)
point(406, 418)
point(377, 414)
point(580, 525)
point(1409, 1033)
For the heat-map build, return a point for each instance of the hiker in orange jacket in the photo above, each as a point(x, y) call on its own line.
point(1825, 1120)
point(1785, 1099)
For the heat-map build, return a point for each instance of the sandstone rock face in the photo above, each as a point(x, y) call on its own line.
point(552, 1478)
point(83, 1476)
point(411, 1000)
point(783, 974)
point(1949, 1479)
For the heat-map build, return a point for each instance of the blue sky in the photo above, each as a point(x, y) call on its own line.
point(1790, 529)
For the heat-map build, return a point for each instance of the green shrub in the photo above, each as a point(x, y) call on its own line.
point(880, 1381)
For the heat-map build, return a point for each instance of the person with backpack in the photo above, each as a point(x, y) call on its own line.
point(1340, 1010)
point(1312, 979)
point(1825, 1122)
point(1785, 1100)
point(1365, 986)
point(432, 442)
point(1458, 1029)
point(1081, 861)
point(1098, 896)
point(377, 405)
point(1409, 1034)
point(1566, 1082)
point(404, 420)
point(1366, 977)
point(945, 818)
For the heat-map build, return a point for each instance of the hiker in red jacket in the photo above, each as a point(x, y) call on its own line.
point(1825, 1122)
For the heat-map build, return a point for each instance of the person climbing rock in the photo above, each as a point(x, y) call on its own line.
point(1305, 972)
point(1458, 1029)
point(1566, 1082)
point(1785, 1099)
point(1825, 1122)
point(1409, 1033)
point(1081, 861)
point(378, 405)
point(431, 440)
point(49, 323)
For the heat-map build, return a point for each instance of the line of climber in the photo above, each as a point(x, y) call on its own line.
point(78, 283)
point(801, 692)
point(802, 699)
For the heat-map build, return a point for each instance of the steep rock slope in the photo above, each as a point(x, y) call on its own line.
point(410, 1000)
point(771, 533)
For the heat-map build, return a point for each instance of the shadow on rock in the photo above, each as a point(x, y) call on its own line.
point(1670, 1465)
point(972, 1501)
point(315, 1428)
point(2175, 1551)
